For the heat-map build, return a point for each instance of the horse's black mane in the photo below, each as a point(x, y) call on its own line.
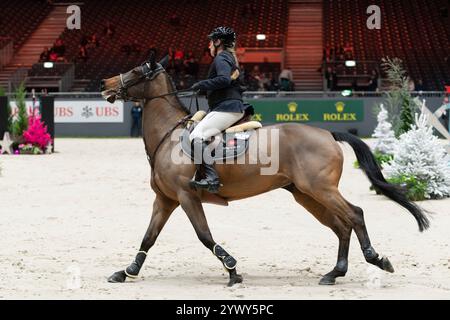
point(179, 103)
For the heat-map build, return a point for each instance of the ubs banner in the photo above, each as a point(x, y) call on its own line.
point(81, 111)
point(275, 111)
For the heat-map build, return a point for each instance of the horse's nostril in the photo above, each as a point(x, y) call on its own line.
point(102, 85)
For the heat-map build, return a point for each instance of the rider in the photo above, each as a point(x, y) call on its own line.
point(224, 96)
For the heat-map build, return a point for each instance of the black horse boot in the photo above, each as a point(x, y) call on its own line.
point(211, 180)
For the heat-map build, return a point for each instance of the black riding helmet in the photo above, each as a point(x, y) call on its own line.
point(226, 34)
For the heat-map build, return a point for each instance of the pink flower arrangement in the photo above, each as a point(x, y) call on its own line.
point(37, 134)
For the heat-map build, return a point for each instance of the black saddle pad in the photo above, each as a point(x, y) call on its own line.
point(231, 146)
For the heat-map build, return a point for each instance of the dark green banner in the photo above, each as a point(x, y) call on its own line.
point(308, 110)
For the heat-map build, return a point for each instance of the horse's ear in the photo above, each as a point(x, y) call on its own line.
point(152, 60)
point(164, 61)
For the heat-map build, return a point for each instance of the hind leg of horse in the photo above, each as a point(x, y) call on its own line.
point(162, 209)
point(342, 230)
point(369, 252)
point(192, 205)
point(333, 200)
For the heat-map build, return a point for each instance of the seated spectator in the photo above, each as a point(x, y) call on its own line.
point(82, 53)
point(179, 54)
point(191, 66)
point(84, 40)
point(53, 57)
point(59, 48)
point(420, 86)
point(411, 85)
point(93, 41)
point(45, 55)
point(272, 84)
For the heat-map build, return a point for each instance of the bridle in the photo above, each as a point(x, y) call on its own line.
point(147, 73)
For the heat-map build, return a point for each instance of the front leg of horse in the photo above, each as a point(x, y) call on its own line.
point(162, 209)
point(229, 264)
point(192, 205)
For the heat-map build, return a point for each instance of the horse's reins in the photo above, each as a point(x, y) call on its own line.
point(150, 74)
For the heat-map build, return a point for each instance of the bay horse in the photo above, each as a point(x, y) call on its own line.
point(310, 167)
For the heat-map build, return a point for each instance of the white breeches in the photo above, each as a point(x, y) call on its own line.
point(214, 123)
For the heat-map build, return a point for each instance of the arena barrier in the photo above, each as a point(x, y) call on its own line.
point(87, 114)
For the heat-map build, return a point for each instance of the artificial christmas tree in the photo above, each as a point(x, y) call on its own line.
point(421, 162)
point(384, 134)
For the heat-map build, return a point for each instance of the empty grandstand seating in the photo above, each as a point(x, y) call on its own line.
point(19, 18)
point(149, 24)
point(412, 30)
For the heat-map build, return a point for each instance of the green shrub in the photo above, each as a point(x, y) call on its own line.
point(380, 158)
point(21, 123)
point(416, 189)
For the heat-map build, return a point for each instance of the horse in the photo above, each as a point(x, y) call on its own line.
point(310, 167)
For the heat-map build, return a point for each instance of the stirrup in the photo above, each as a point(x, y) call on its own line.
point(206, 185)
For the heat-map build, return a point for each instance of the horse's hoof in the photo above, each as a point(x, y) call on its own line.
point(235, 279)
point(118, 277)
point(386, 265)
point(327, 281)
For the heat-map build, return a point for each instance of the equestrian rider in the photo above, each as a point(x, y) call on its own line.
point(224, 96)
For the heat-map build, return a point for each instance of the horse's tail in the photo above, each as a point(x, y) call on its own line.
point(372, 170)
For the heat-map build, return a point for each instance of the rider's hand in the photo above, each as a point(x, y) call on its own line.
point(195, 87)
point(235, 74)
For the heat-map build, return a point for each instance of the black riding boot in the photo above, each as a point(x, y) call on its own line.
point(211, 180)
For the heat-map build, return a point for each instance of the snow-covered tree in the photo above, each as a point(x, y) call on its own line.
point(384, 134)
point(421, 156)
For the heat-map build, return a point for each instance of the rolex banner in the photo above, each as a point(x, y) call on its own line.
point(308, 111)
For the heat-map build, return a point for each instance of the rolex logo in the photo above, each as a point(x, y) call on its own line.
point(292, 107)
point(340, 106)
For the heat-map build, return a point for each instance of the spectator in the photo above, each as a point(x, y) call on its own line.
point(329, 78)
point(179, 54)
point(446, 113)
point(82, 53)
point(84, 40)
point(53, 56)
point(59, 48)
point(153, 50)
point(45, 55)
point(191, 66)
point(93, 41)
point(411, 85)
point(265, 82)
point(373, 82)
point(420, 86)
point(286, 80)
point(136, 115)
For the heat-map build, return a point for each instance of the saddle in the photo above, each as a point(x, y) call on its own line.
point(234, 140)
